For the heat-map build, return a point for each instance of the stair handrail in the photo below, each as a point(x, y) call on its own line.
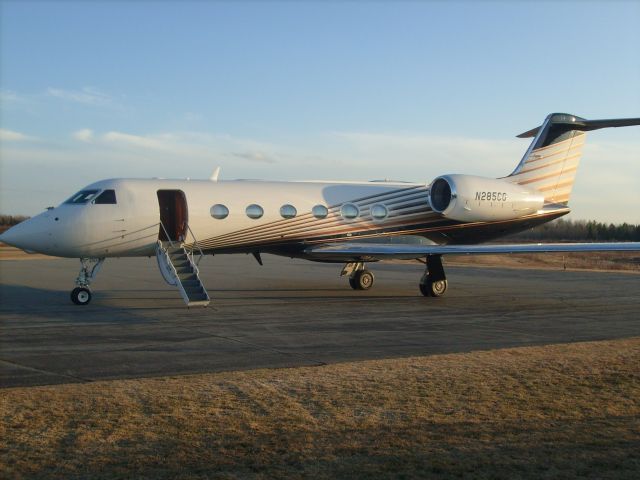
point(166, 233)
point(160, 248)
point(195, 242)
point(165, 252)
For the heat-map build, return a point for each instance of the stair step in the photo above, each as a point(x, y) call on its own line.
point(192, 288)
point(202, 303)
point(197, 298)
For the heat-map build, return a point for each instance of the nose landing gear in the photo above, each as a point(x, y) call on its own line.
point(81, 295)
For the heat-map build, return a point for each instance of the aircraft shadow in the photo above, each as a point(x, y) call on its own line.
point(38, 303)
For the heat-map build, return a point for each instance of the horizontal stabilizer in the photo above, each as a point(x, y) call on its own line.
point(587, 125)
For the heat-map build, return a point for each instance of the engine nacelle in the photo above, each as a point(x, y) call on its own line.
point(468, 198)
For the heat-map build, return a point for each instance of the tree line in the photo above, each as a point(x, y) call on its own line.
point(582, 230)
point(10, 220)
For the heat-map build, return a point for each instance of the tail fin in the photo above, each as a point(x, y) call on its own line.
point(550, 164)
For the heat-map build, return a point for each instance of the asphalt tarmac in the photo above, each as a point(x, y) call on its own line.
point(287, 313)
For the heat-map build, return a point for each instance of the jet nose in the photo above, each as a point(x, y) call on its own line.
point(30, 235)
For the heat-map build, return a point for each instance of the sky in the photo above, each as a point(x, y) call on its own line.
point(311, 90)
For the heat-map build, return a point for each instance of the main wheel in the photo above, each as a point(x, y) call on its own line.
point(430, 288)
point(81, 296)
point(361, 280)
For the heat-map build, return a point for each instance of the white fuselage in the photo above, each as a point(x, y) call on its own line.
point(131, 226)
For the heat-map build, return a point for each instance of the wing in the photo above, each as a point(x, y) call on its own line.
point(372, 251)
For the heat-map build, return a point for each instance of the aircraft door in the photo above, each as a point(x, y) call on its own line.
point(174, 215)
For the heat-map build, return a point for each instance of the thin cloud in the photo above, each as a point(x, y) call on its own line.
point(127, 139)
point(9, 96)
point(12, 136)
point(254, 157)
point(427, 143)
point(87, 96)
point(194, 145)
point(84, 135)
point(435, 154)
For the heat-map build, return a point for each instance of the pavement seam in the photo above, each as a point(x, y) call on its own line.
point(261, 347)
point(204, 335)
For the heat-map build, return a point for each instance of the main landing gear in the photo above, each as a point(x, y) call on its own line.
point(434, 282)
point(359, 277)
point(81, 295)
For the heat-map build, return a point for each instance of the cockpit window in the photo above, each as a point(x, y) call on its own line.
point(108, 196)
point(84, 196)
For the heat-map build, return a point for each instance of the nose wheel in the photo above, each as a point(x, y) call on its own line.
point(81, 295)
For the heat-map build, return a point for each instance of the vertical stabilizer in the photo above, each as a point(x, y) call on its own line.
point(550, 164)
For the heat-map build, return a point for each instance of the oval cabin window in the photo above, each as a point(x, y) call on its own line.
point(254, 211)
point(320, 211)
point(288, 211)
point(349, 211)
point(379, 212)
point(219, 211)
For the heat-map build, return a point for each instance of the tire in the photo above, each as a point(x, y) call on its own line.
point(430, 288)
point(352, 283)
point(438, 288)
point(81, 296)
point(363, 280)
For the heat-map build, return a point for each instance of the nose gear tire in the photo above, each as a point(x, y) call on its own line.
point(81, 296)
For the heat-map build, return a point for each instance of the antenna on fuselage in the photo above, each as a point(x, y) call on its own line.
point(214, 175)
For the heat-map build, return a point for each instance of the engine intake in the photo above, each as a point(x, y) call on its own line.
point(440, 195)
point(475, 199)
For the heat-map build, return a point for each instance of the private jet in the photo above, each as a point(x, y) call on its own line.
point(180, 221)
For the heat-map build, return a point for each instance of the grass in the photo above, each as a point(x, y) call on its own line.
point(541, 412)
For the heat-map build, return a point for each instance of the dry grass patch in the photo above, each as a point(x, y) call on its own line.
point(542, 412)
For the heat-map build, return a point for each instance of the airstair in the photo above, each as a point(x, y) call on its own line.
point(179, 269)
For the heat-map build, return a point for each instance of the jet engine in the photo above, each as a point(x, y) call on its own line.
point(468, 198)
